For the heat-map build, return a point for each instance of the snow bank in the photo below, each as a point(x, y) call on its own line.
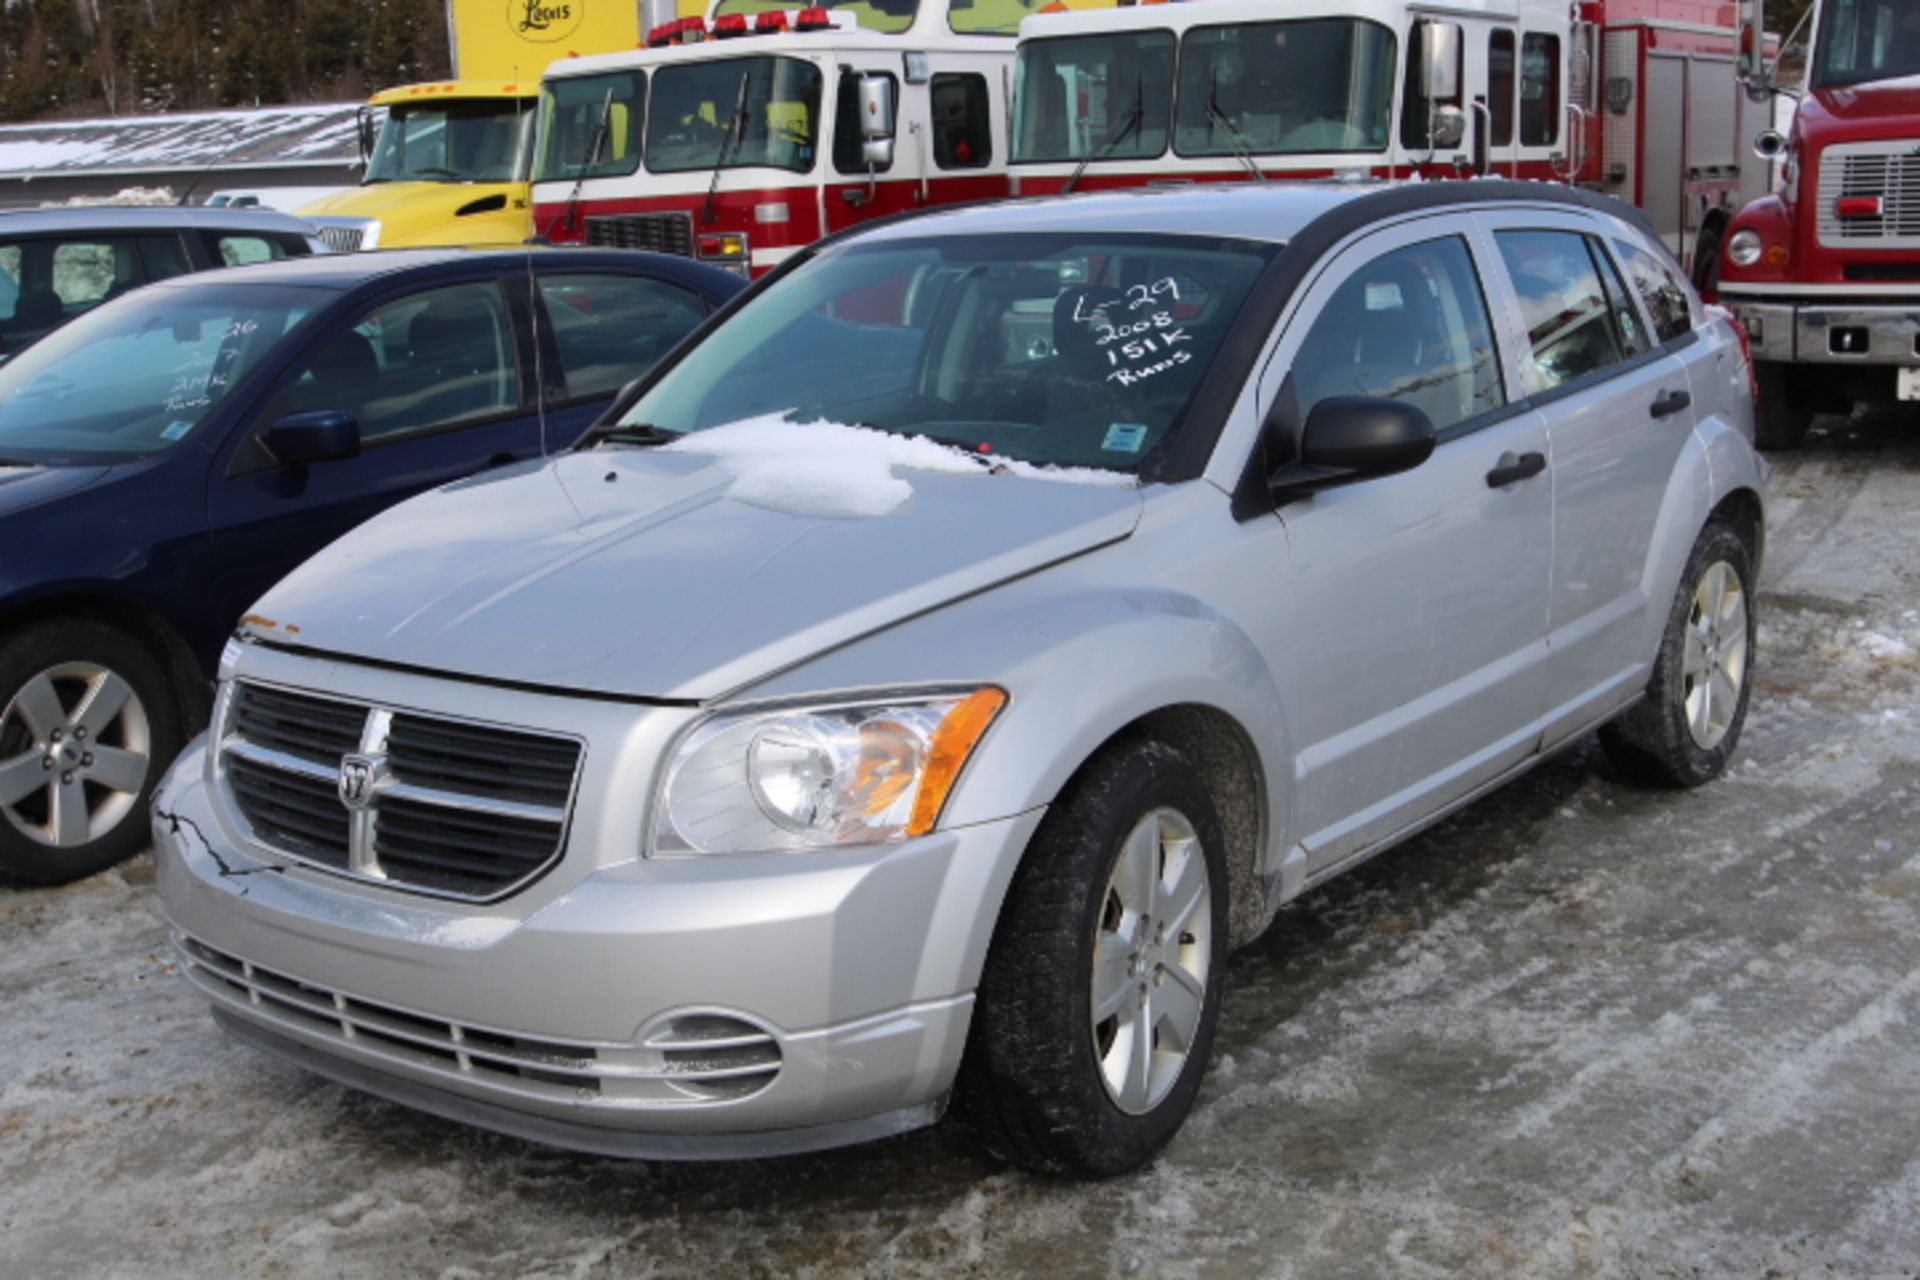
point(834, 470)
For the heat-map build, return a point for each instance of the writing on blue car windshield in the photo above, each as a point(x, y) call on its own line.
point(140, 374)
point(1060, 349)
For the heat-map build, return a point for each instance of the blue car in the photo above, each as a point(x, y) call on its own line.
point(170, 455)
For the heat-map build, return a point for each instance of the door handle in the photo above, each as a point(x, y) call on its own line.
point(1516, 467)
point(1671, 402)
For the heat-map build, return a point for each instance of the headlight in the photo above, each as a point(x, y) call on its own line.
point(1744, 249)
point(820, 776)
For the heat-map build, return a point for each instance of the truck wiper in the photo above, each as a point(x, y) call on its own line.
point(736, 130)
point(1127, 123)
point(594, 148)
point(1241, 147)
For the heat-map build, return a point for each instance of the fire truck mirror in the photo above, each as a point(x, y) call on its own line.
point(1449, 127)
point(1440, 60)
point(1769, 144)
point(876, 120)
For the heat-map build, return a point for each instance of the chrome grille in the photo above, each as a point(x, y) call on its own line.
point(343, 239)
point(658, 232)
point(453, 807)
point(683, 1059)
point(1890, 170)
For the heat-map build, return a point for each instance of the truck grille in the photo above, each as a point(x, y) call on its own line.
point(452, 807)
point(343, 239)
point(658, 232)
point(1889, 170)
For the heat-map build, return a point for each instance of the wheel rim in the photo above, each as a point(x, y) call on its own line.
point(1714, 666)
point(75, 750)
point(1151, 958)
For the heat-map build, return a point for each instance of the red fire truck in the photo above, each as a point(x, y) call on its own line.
point(742, 136)
point(1636, 98)
point(1826, 274)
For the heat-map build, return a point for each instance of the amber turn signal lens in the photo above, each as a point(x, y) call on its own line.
point(953, 742)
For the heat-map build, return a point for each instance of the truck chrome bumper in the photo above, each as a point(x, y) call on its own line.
point(1803, 333)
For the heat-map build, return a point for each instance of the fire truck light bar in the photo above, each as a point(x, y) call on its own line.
point(729, 26)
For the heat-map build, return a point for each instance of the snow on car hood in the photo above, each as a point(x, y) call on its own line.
point(678, 573)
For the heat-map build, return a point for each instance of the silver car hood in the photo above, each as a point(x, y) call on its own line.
point(632, 572)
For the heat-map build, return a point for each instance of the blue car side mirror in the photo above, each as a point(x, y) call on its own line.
point(323, 435)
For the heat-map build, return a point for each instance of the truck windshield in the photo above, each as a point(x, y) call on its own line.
point(692, 123)
point(889, 17)
point(142, 373)
point(590, 126)
point(1078, 349)
point(1863, 40)
point(1106, 97)
point(472, 141)
point(1325, 84)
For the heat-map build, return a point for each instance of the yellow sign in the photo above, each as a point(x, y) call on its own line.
point(516, 39)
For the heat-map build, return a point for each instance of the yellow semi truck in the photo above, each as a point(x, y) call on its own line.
point(448, 163)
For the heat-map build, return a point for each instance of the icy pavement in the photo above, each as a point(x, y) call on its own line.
point(1581, 1029)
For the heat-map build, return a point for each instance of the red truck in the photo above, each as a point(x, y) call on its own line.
point(1825, 274)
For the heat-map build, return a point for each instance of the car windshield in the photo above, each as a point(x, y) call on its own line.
point(140, 374)
point(590, 126)
point(888, 16)
point(1862, 40)
point(1075, 350)
point(734, 113)
point(1104, 97)
point(1277, 88)
point(472, 141)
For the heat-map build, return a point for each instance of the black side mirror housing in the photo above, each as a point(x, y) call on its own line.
point(1353, 438)
point(324, 435)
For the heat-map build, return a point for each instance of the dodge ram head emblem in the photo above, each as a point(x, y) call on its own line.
point(358, 776)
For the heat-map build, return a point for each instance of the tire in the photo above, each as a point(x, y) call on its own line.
point(1043, 1084)
point(77, 804)
point(1684, 731)
point(1784, 415)
point(1706, 261)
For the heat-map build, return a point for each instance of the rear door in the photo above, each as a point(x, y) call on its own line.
point(1618, 412)
point(1420, 641)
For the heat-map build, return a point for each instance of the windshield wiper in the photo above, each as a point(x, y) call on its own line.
point(736, 130)
point(1241, 147)
point(1127, 123)
point(594, 148)
point(643, 433)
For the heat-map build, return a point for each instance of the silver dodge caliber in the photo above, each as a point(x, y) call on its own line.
point(916, 687)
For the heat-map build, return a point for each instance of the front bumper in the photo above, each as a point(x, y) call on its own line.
point(565, 1020)
point(1833, 333)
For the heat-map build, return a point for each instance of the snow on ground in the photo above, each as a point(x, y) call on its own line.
point(324, 133)
point(1581, 1029)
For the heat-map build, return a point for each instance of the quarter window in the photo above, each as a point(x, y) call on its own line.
point(962, 132)
point(1570, 324)
point(432, 360)
point(1410, 325)
point(1660, 288)
point(1539, 90)
point(611, 329)
point(238, 251)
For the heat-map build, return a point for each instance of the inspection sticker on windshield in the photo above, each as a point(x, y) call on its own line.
point(174, 430)
point(1125, 437)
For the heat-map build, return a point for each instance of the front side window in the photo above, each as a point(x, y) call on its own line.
point(471, 141)
point(1061, 348)
point(889, 17)
point(590, 126)
point(1279, 88)
point(962, 126)
point(141, 374)
point(1416, 109)
point(1570, 323)
point(1102, 97)
point(1539, 90)
point(734, 113)
point(1500, 85)
point(1410, 325)
point(429, 361)
point(1862, 40)
point(1660, 287)
point(611, 329)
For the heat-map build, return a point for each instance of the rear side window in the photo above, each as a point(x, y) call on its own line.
point(240, 250)
point(1410, 325)
point(1660, 288)
point(1570, 321)
point(90, 272)
point(962, 134)
point(612, 329)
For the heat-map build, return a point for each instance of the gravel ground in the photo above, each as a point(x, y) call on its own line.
point(1581, 1029)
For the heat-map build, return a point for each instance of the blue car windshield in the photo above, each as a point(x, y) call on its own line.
point(1051, 348)
point(142, 373)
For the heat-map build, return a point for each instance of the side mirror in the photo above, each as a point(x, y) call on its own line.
point(1439, 59)
point(1769, 144)
point(324, 435)
point(876, 120)
point(1353, 438)
point(1447, 127)
point(366, 132)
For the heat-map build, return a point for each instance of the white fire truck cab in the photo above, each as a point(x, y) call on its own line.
point(744, 136)
point(1636, 98)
